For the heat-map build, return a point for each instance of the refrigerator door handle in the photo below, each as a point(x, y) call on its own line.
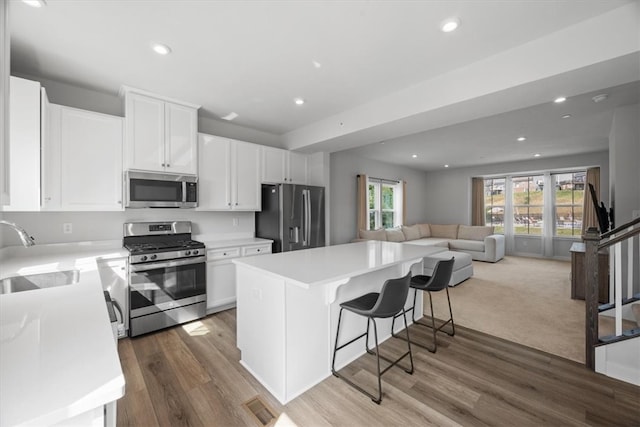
point(305, 200)
point(307, 211)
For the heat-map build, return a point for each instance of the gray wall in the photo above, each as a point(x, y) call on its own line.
point(344, 169)
point(450, 190)
point(46, 227)
point(111, 103)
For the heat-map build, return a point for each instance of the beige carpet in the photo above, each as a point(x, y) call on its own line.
point(524, 300)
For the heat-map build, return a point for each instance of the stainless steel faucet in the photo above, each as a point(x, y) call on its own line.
point(24, 236)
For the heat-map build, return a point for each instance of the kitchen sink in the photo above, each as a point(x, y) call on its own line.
point(38, 281)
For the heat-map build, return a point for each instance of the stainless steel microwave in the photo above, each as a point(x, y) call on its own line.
point(160, 190)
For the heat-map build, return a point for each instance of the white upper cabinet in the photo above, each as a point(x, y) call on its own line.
point(24, 145)
point(82, 161)
point(229, 174)
point(161, 134)
point(283, 166)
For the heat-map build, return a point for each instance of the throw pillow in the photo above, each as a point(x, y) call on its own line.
point(411, 233)
point(378, 234)
point(474, 232)
point(395, 235)
point(425, 230)
point(448, 231)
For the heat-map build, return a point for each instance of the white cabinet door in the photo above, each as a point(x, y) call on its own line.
point(181, 130)
point(82, 161)
point(274, 165)
point(214, 178)
point(297, 168)
point(145, 133)
point(24, 145)
point(246, 189)
point(91, 161)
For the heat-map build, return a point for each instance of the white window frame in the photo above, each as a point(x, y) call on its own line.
point(377, 210)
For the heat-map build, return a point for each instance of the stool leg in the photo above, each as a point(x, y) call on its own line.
point(412, 309)
point(375, 333)
point(406, 328)
point(453, 326)
point(335, 347)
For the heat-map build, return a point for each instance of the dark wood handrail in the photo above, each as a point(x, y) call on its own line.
point(624, 236)
point(622, 227)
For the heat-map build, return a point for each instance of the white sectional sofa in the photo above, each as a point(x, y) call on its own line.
point(478, 241)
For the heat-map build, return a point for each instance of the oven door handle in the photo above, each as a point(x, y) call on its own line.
point(164, 264)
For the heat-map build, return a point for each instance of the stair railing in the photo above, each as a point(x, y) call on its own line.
point(594, 243)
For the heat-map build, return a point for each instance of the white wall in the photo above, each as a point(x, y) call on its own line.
point(344, 169)
point(624, 149)
point(46, 227)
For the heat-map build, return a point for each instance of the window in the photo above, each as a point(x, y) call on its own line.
point(494, 203)
point(527, 204)
point(568, 199)
point(385, 203)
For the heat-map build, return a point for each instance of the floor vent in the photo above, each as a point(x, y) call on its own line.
point(262, 413)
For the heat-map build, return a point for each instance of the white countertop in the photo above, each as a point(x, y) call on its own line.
point(58, 357)
point(319, 266)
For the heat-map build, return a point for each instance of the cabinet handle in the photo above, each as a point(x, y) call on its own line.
point(258, 250)
point(162, 164)
point(236, 203)
point(119, 202)
point(168, 165)
point(224, 254)
point(47, 198)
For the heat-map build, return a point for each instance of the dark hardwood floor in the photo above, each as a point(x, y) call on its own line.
point(191, 376)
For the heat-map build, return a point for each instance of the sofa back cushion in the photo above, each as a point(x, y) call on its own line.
point(379, 234)
point(411, 233)
point(474, 232)
point(395, 235)
point(448, 231)
point(425, 230)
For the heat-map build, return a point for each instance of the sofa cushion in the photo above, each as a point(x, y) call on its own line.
point(425, 231)
point(411, 233)
point(467, 245)
point(395, 235)
point(430, 241)
point(474, 232)
point(379, 234)
point(448, 231)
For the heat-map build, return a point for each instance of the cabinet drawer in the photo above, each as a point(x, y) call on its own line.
point(256, 250)
point(216, 254)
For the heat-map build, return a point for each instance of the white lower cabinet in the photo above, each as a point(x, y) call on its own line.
point(221, 273)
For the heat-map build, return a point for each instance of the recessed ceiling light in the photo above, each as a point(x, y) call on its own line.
point(316, 64)
point(35, 3)
point(449, 25)
point(600, 98)
point(299, 101)
point(161, 49)
point(414, 156)
point(522, 138)
point(446, 166)
point(560, 99)
point(232, 115)
point(566, 116)
point(536, 155)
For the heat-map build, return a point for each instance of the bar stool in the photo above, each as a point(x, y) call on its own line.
point(437, 282)
point(388, 303)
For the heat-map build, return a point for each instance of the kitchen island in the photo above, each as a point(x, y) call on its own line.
point(288, 306)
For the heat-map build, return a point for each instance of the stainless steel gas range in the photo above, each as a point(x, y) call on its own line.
point(167, 275)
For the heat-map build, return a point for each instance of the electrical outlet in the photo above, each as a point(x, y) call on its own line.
point(236, 221)
point(67, 228)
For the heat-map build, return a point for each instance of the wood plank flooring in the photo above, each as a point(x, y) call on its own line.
point(190, 376)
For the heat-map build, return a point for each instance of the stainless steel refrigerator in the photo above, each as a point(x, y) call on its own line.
point(292, 216)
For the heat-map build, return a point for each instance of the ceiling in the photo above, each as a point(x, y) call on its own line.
point(369, 71)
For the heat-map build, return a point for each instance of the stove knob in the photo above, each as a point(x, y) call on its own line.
point(154, 256)
point(195, 252)
point(187, 253)
point(143, 258)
